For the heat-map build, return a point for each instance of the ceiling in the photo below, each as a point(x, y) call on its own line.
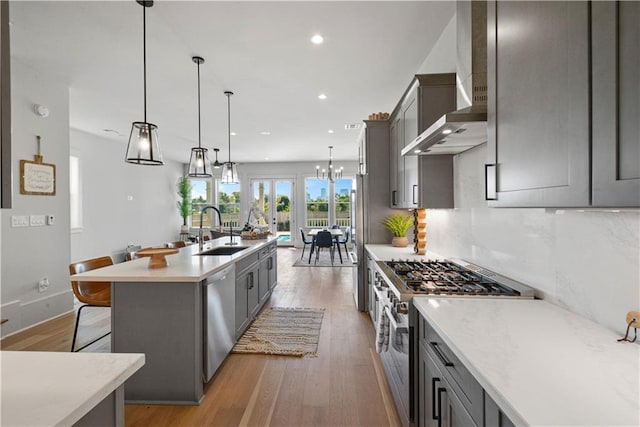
point(259, 50)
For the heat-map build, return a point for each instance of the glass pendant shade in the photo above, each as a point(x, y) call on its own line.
point(143, 146)
point(199, 164)
point(230, 173)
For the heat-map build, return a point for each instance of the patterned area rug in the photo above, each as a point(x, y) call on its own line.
point(283, 331)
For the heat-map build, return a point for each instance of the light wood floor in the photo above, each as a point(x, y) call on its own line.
point(343, 386)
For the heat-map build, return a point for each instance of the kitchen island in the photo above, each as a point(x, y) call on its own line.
point(175, 314)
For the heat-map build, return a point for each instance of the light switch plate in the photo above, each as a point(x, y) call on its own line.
point(19, 221)
point(37, 220)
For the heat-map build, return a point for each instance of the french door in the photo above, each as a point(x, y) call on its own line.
point(274, 198)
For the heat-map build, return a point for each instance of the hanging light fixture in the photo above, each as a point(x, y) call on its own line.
point(330, 173)
point(229, 169)
point(216, 164)
point(199, 165)
point(143, 146)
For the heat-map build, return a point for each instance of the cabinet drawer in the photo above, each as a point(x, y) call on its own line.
point(246, 262)
point(464, 384)
point(267, 250)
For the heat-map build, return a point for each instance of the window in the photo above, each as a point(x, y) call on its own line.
point(75, 194)
point(229, 204)
point(317, 202)
point(343, 202)
point(201, 195)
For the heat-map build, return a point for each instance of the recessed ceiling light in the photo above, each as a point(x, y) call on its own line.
point(417, 151)
point(233, 134)
point(266, 158)
point(446, 131)
point(330, 130)
point(322, 96)
point(317, 39)
point(265, 133)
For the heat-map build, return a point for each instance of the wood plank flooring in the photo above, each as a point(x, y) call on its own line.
point(343, 386)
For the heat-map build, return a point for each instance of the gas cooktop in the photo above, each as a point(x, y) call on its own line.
point(451, 278)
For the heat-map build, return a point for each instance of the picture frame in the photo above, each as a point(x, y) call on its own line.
point(37, 178)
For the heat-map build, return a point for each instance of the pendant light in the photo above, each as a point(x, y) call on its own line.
point(143, 146)
point(229, 169)
point(216, 164)
point(199, 165)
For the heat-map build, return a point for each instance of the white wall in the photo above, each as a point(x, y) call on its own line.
point(584, 260)
point(442, 58)
point(30, 253)
point(122, 203)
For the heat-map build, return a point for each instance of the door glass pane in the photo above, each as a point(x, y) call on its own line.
point(283, 211)
point(343, 202)
point(261, 197)
point(317, 202)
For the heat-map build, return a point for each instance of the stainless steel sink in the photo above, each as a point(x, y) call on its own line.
point(224, 250)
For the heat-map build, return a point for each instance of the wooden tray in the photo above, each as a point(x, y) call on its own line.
point(157, 256)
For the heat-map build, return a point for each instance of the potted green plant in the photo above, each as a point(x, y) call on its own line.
point(399, 225)
point(184, 204)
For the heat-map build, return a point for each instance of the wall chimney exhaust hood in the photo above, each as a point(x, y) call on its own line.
point(465, 128)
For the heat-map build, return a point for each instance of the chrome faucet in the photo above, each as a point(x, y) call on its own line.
point(200, 242)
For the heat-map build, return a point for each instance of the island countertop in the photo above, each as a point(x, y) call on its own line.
point(50, 388)
point(541, 364)
point(185, 266)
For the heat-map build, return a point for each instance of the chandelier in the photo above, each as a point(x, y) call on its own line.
point(330, 172)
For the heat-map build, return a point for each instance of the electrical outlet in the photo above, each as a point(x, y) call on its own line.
point(19, 220)
point(37, 220)
point(43, 284)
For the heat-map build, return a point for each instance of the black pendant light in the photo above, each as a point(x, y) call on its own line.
point(143, 146)
point(217, 164)
point(229, 169)
point(199, 165)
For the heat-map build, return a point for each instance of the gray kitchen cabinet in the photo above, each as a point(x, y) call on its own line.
point(428, 97)
point(615, 37)
point(395, 146)
point(439, 404)
point(493, 416)
point(562, 122)
point(267, 276)
point(247, 291)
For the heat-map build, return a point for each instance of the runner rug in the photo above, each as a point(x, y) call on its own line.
point(283, 331)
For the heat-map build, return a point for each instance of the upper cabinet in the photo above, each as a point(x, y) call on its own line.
point(615, 37)
point(561, 127)
point(428, 97)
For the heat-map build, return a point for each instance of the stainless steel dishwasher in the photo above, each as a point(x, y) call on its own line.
point(219, 319)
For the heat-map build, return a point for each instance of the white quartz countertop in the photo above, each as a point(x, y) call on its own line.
point(381, 252)
point(184, 266)
point(543, 365)
point(48, 388)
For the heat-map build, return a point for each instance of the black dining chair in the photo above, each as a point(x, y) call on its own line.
point(324, 239)
point(305, 241)
point(343, 242)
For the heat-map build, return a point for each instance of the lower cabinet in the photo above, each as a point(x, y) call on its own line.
point(448, 395)
point(256, 276)
point(439, 404)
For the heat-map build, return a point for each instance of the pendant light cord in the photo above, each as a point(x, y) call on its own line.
point(229, 121)
point(198, 62)
point(144, 57)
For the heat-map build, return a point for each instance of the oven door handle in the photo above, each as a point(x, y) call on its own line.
point(394, 324)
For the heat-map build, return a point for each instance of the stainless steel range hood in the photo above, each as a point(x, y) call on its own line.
point(465, 128)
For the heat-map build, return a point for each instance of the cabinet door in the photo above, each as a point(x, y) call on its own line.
point(615, 39)
point(430, 380)
point(242, 312)
point(253, 290)
point(394, 159)
point(410, 163)
point(538, 106)
point(263, 279)
point(273, 269)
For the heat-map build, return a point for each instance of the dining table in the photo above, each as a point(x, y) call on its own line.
point(335, 234)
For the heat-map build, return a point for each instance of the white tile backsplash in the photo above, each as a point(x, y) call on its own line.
point(585, 260)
